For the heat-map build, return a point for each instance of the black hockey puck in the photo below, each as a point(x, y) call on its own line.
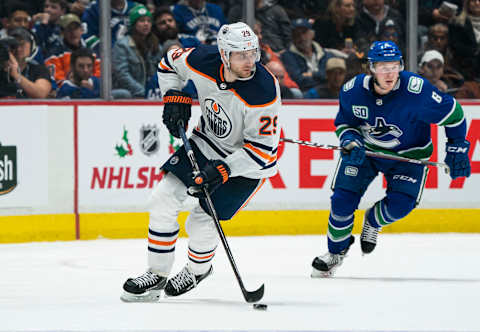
point(260, 306)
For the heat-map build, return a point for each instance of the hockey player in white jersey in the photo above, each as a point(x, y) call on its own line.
point(235, 143)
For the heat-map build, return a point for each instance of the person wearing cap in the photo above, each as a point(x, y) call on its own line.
point(46, 26)
point(305, 60)
point(135, 56)
point(71, 40)
point(336, 72)
point(431, 67)
point(31, 78)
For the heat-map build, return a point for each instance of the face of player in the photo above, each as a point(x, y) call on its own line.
point(143, 25)
point(54, 10)
point(243, 63)
point(83, 69)
point(386, 74)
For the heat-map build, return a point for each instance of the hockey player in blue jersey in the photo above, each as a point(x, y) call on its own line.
point(235, 143)
point(389, 111)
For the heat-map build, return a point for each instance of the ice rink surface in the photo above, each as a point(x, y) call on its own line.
point(410, 283)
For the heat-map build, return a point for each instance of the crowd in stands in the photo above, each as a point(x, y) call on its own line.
point(50, 48)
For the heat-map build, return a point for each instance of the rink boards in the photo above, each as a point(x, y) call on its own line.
point(85, 170)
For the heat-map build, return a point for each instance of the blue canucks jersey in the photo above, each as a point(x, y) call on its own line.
point(398, 122)
point(91, 21)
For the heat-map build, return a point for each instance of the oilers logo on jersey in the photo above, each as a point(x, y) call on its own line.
point(217, 119)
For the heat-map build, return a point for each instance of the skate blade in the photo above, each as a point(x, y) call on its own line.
point(322, 274)
point(151, 296)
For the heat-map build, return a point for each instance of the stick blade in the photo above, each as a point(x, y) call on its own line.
point(254, 296)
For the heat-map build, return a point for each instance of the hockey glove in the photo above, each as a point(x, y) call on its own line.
point(353, 150)
point(211, 176)
point(177, 108)
point(457, 157)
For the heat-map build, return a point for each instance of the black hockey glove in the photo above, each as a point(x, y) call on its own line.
point(211, 176)
point(457, 157)
point(353, 152)
point(177, 108)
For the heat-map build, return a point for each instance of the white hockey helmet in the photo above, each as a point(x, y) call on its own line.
point(237, 37)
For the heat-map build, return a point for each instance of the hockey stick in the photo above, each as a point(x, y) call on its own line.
point(370, 154)
point(250, 297)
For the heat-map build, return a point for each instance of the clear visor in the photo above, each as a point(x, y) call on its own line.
point(244, 56)
point(385, 67)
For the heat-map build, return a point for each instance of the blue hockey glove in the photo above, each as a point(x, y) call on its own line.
point(353, 152)
point(457, 157)
point(211, 176)
point(177, 107)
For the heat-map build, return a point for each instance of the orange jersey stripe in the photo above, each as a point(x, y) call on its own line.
point(198, 257)
point(260, 153)
point(162, 243)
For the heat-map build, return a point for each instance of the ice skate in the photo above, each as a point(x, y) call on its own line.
point(368, 238)
point(145, 288)
point(184, 281)
point(325, 266)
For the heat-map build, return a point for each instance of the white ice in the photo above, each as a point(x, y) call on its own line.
point(410, 283)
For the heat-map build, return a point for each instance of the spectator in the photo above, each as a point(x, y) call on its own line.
point(438, 40)
point(32, 79)
point(199, 19)
point(336, 72)
point(268, 55)
point(465, 39)
point(276, 26)
point(279, 71)
point(339, 24)
point(431, 67)
point(304, 9)
point(82, 84)
point(165, 28)
point(431, 12)
point(469, 90)
point(390, 30)
point(77, 7)
point(372, 14)
point(46, 26)
point(135, 56)
point(71, 40)
point(118, 22)
point(17, 16)
point(305, 60)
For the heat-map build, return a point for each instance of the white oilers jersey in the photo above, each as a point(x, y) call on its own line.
point(239, 122)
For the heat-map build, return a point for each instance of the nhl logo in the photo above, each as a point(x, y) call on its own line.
point(149, 140)
point(223, 86)
point(379, 102)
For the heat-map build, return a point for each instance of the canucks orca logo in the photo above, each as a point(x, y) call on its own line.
point(218, 121)
point(383, 134)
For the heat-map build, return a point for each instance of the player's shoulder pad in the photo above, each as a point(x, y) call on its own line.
point(353, 84)
point(260, 90)
point(412, 83)
point(206, 60)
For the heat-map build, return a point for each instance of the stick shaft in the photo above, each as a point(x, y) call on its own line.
point(249, 296)
point(370, 154)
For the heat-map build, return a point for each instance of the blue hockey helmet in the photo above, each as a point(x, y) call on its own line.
point(384, 51)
